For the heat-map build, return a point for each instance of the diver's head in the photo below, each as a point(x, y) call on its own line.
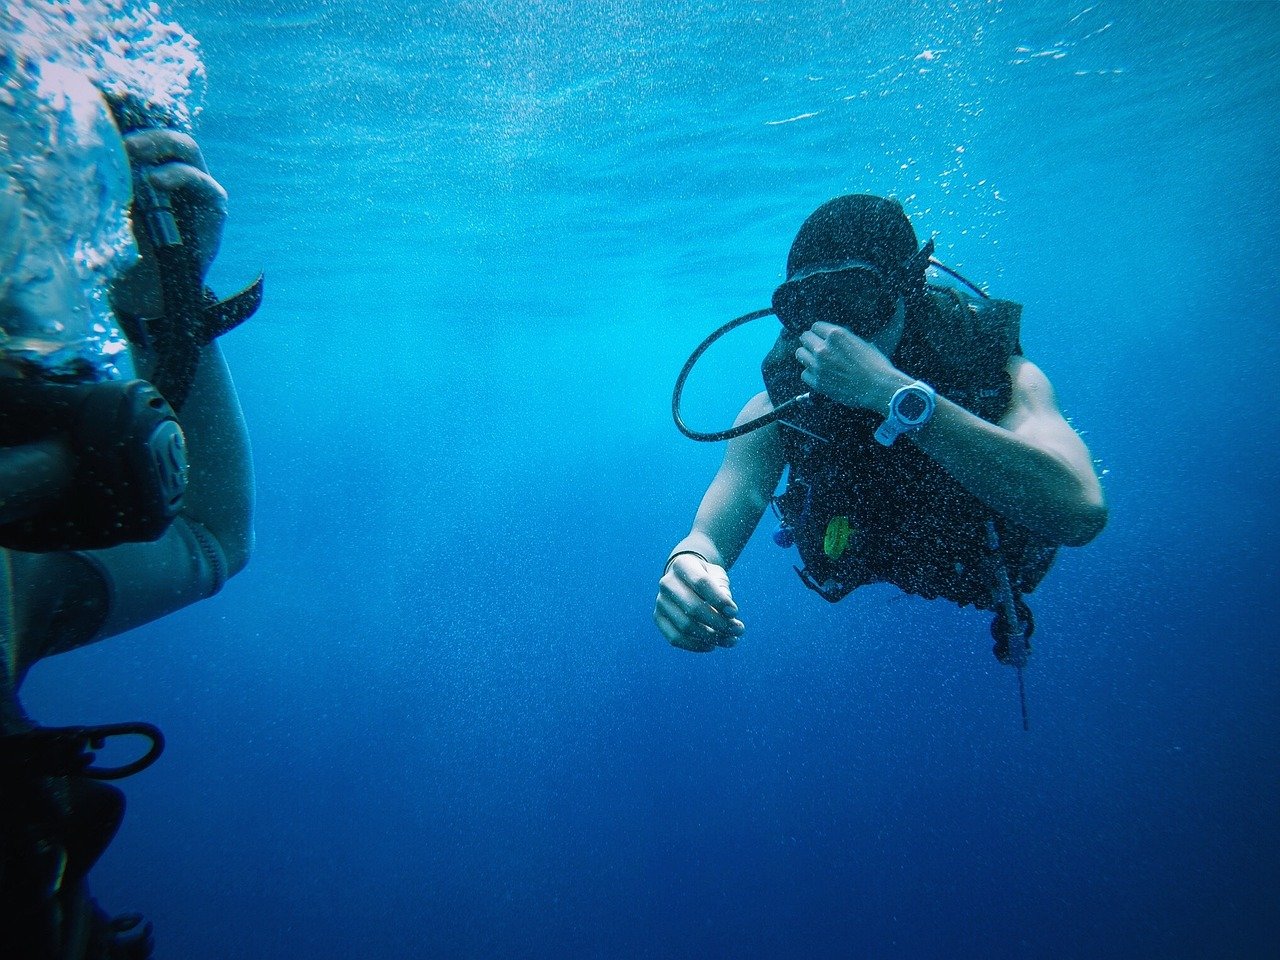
point(854, 261)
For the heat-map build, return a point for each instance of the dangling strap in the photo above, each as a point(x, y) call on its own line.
point(832, 591)
point(1013, 625)
point(193, 318)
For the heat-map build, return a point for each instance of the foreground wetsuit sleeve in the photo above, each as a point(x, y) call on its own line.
point(211, 539)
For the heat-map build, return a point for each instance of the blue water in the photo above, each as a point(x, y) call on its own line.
point(434, 719)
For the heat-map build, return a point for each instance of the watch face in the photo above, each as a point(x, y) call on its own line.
point(912, 406)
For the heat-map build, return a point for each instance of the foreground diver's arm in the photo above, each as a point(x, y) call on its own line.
point(69, 599)
point(211, 539)
point(65, 600)
point(1031, 467)
point(695, 609)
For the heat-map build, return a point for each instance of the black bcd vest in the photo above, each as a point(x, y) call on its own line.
point(863, 513)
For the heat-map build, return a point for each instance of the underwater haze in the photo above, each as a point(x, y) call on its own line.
point(433, 718)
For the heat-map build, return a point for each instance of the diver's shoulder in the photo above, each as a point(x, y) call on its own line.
point(757, 406)
point(1031, 385)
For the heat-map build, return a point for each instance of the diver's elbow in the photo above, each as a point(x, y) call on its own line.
point(238, 551)
point(1084, 524)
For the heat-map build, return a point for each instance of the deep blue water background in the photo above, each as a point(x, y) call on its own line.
point(434, 719)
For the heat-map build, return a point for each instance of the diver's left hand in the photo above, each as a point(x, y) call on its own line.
point(174, 166)
point(841, 365)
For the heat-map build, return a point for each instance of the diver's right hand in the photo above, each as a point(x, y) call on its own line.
point(695, 610)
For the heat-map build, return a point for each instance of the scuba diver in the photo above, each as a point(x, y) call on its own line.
point(121, 501)
point(922, 448)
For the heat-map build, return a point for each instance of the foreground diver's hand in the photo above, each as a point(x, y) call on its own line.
point(695, 610)
point(172, 164)
point(846, 368)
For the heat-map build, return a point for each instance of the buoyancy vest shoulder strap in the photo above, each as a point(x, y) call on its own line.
point(965, 330)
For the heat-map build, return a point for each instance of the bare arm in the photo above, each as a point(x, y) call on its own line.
point(1032, 467)
point(695, 609)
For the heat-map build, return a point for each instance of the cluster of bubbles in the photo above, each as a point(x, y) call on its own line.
point(65, 183)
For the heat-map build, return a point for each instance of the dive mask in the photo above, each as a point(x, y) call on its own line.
point(853, 294)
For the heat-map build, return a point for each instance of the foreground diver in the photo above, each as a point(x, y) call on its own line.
point(111, 514)
point(923, 449)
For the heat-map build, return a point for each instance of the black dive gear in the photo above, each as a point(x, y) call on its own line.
point(56, 819)
point(63, 751)
point(853, 295)
point(743, 428)
point(129, 472)
point(193, 317)
point(1013, 625)
point(892, 513)
point(916, 527)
